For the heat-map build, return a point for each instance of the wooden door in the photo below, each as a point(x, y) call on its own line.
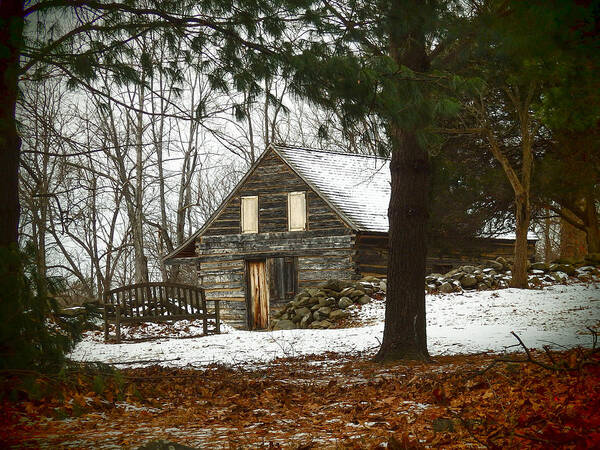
point(258, 297)
point(283, 279)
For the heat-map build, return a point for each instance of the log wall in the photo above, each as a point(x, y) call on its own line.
point(372, 253)
point(271, 181)
point(225, 280)
point(441, 260)
point(222, 270)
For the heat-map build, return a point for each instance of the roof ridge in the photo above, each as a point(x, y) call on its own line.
point(334, 152)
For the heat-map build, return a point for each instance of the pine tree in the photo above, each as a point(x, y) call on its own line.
point(378, 58)
point(570, 109)
point(34, 335)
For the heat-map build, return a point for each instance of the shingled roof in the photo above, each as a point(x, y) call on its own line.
point(356, 186)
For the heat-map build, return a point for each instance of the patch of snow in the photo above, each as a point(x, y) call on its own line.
point(372, 424)
point(335, 420)
point(129, 407)
point(467, 322)
point(415, 407)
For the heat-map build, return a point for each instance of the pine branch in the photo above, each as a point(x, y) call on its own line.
point(350, 26)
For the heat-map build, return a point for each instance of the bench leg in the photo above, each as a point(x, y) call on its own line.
point(217, 318)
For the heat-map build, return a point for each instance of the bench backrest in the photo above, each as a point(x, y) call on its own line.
point(157, 300)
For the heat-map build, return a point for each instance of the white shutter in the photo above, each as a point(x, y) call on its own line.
point(250, 214)
point(297, 211)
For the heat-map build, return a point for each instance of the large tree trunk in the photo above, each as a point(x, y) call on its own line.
point(579, 227)
point(11, 38)
point(404, 334)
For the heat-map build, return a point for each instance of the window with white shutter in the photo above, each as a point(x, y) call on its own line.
point(250, 214)
point(297, 211)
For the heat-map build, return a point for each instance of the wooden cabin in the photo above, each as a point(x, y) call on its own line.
point(297, 218)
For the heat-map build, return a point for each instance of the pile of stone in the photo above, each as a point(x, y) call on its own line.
point(327, 305)
point(585, 270)
point(323, 306)
point(494, 274)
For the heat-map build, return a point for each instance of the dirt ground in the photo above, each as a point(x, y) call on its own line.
point(553, 400)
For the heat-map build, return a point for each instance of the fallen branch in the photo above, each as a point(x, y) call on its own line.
point(530, 358)
point(548, 354)
point(537, 439)
point(556, 366)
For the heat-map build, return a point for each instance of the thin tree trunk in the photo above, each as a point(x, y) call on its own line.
point(11, 37)
point(188, 169)
point(592, 229)
point(521, 183)
point(250, 130)
point(266, 113)
point(141, 262)
point(43, 204)
point(547, 240)
point(519, 270)
point(521, 103)
point(163, 233)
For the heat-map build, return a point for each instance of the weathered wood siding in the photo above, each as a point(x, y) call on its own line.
point(225, 280)
point(319, 256)
point(240, 246)
point(372, 254)
point(326, 265)
point(271, 181)
point(451, 256)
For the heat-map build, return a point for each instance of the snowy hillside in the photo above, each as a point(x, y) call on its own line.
point(469, 322)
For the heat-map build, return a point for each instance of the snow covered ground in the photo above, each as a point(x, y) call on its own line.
point(468, 322)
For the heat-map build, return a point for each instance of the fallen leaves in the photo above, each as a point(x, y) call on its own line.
point(319, 402)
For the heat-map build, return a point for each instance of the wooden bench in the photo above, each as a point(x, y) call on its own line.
point(158, 302)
